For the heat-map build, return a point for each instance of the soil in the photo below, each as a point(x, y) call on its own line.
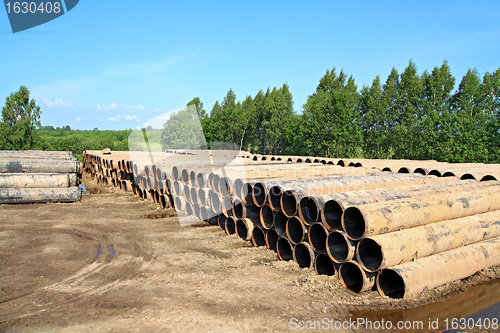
point(114, 262)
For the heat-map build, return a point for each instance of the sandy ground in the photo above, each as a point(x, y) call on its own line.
point(113, 262)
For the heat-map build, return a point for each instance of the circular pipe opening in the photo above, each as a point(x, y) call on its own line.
point(238, 209)
point(192, 178)
point(204, 213)
point(386, 169)
point(194, 194)
point(201, 197)
point(224, 186)
point(200, 180)
point(285, 250)
point(258, 237)
point(467, 176)
point(435, 173)
point(341, 163)
point(227, 206)
point(331, 215)
point(317, 237)
point(275, 194)
point(185, 176)
point(216, 202)
point(308, 210)
point(369, 254)
point(323, 265)
point(403, 170)
point(337, 247)
point(420, 171)
point(221, 221)
point(242, 229)
point(448, 174)
point(391, 284)
point(302, 255)
point(215, 182)
point(246, 194)
point(353, 223)
point(266, 217)
point(488, 178)
point(230, 225)
point(351, 276)
point(289, 203)
point(237, 187)
point(295, 230)
point(259, 194)
point(272, 240)
point(280, 221)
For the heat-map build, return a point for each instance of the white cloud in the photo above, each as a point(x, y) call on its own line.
point(78, 119)
point(112, 106)
point(133, 117)
point(115, 118)
point(57, 103)
point(157, 110)
point(133, 107)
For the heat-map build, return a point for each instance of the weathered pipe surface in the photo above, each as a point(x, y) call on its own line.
point(333, 205)
point(381, 251)
point(291, 198)
point(339, 247)
point(39, 166)
point(244, 228)
point(279, 223)
point(38, 195)
point(381, 218)
point(37, 180)
point(426, 273)
point(323, 265)
point(303, 255)
point(353, 277)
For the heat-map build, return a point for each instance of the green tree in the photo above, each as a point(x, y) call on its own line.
point(20, 118)
point(332, 118)
point(183, 131)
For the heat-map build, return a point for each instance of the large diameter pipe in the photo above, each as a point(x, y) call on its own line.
point(413, 277)
point(37, 180)
point(39, 195)
point(303, 255)
point(382, 251)
point(291, 198)
point(285, 249)
point(381, 218)
point(39, 166)
point(317, 235)
point(244, 228)
point(353, 277)
point(334, 204)
point(258, 236)
point(323, 265)
point(339, 247)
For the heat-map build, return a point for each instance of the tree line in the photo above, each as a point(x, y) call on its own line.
point(410, 115)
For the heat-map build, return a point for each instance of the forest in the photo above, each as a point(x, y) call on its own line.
point(407, 115)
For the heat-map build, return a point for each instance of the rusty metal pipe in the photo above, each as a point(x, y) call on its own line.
point(230, 225)
point(303, 255)
point(39, 166)
point(244, 228)
point(291, 198)
point(258, 236)
point(39, 195)
point(353, 277)
point(380, 218)
point(412, 277)
point(323, 265)
point(296, 231)
point(272, 240)
point(267, 217)
point(279, 223)
point(285, 249)
point(37, 180)
point(317, 235)
point(339, 247)
point(386, 250)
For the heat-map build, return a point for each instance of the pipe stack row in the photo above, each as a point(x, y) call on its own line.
point(39, 176)
point(373, 229)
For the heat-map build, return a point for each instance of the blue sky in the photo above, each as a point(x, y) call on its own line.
point(115, 64)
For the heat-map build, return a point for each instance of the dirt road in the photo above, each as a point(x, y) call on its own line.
point(116, 263)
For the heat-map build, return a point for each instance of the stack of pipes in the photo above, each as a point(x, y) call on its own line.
point(371, 228)
point(39, 176)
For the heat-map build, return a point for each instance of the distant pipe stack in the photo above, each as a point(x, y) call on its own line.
point(38, 177)
point(373, 223)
